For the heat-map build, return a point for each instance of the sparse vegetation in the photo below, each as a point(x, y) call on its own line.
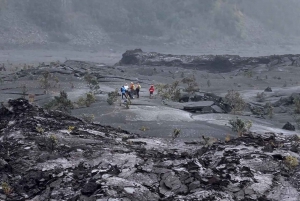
point(270, 110)
point(71, 128)
point(227, 138)
point(192, 85)
point(248, 73)
point(240, 126)
point(208, 83)
point(291, 162)
point(24, 91)
point(40, 130)
point(61, 103)
point(46, 81)
point(53, 141)
point(112, 97)
point(296, 118)
point(297, 105)
point(127, 103)
point(169, 91)
point(260, 97)
point(7, 189)
point(144, 128)
point(234, 99)
point(92, 83)
point(176, 133)
point(88, 117)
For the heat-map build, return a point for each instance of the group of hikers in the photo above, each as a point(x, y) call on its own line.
point(134, 89)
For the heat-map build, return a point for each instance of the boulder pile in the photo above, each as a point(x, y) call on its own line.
point(49, 155)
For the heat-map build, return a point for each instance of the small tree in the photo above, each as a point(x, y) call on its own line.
point(234, 99)
point(88, 117)
point(270, 110)
point(53, 141)
point(24, 91)
point(192, 85)
point(48, 79)
point(61, 103)
point(297, 105)
point(240, 126)
point(176, 133)
point(112, 97)
point(260, 96)
point(92, 83)
point(208, 83)
point(291, 162)
point(169, 91)
point(90, 98)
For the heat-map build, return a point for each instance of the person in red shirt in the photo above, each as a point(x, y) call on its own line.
point(151, 90)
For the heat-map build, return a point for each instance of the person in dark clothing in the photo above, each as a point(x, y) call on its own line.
point(137, 89)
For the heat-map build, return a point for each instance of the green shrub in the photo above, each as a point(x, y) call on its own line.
point(48, 80)
point(169, 91)
point(176, 133)
point(260, 97)
point(86, 101)
point(234, 99)
point(144, 128)
point(61, 103)
point(113, 97)
point(270, 110)
point(291, 162)
point(53, 141)
point(240, 126)
point(7, 189)
point(24, 91)
point(92, 83)
point(192, 85)
point(88, 117)
point(90, 98)
point(297, 105)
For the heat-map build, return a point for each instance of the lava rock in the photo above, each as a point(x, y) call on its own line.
point(89, 188)
point(288, 126)
point(268, 89)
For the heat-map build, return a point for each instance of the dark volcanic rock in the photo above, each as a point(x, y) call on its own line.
point(268, 89)
point(41, 158)
point(89, 188)
point(288, 126)
point(213, 63)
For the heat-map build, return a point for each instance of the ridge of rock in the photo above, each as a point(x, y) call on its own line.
point(213, 63)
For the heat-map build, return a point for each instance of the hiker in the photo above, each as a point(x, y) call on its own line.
point(123, 91)
point(132, 88)
point(137, 89)
point(126, 87)
point(151, 90)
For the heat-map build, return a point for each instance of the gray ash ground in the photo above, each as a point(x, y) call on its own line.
point(102, 161)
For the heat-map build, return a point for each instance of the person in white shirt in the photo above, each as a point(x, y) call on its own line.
point(126, 86)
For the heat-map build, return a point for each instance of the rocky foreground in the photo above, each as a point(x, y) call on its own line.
point(54, 156)
point(212, 63)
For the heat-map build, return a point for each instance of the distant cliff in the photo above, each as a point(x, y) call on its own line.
point(174, 22)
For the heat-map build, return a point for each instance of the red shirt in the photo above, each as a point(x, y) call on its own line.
point(151, 89)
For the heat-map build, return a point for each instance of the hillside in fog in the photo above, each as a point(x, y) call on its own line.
point(169, 22)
